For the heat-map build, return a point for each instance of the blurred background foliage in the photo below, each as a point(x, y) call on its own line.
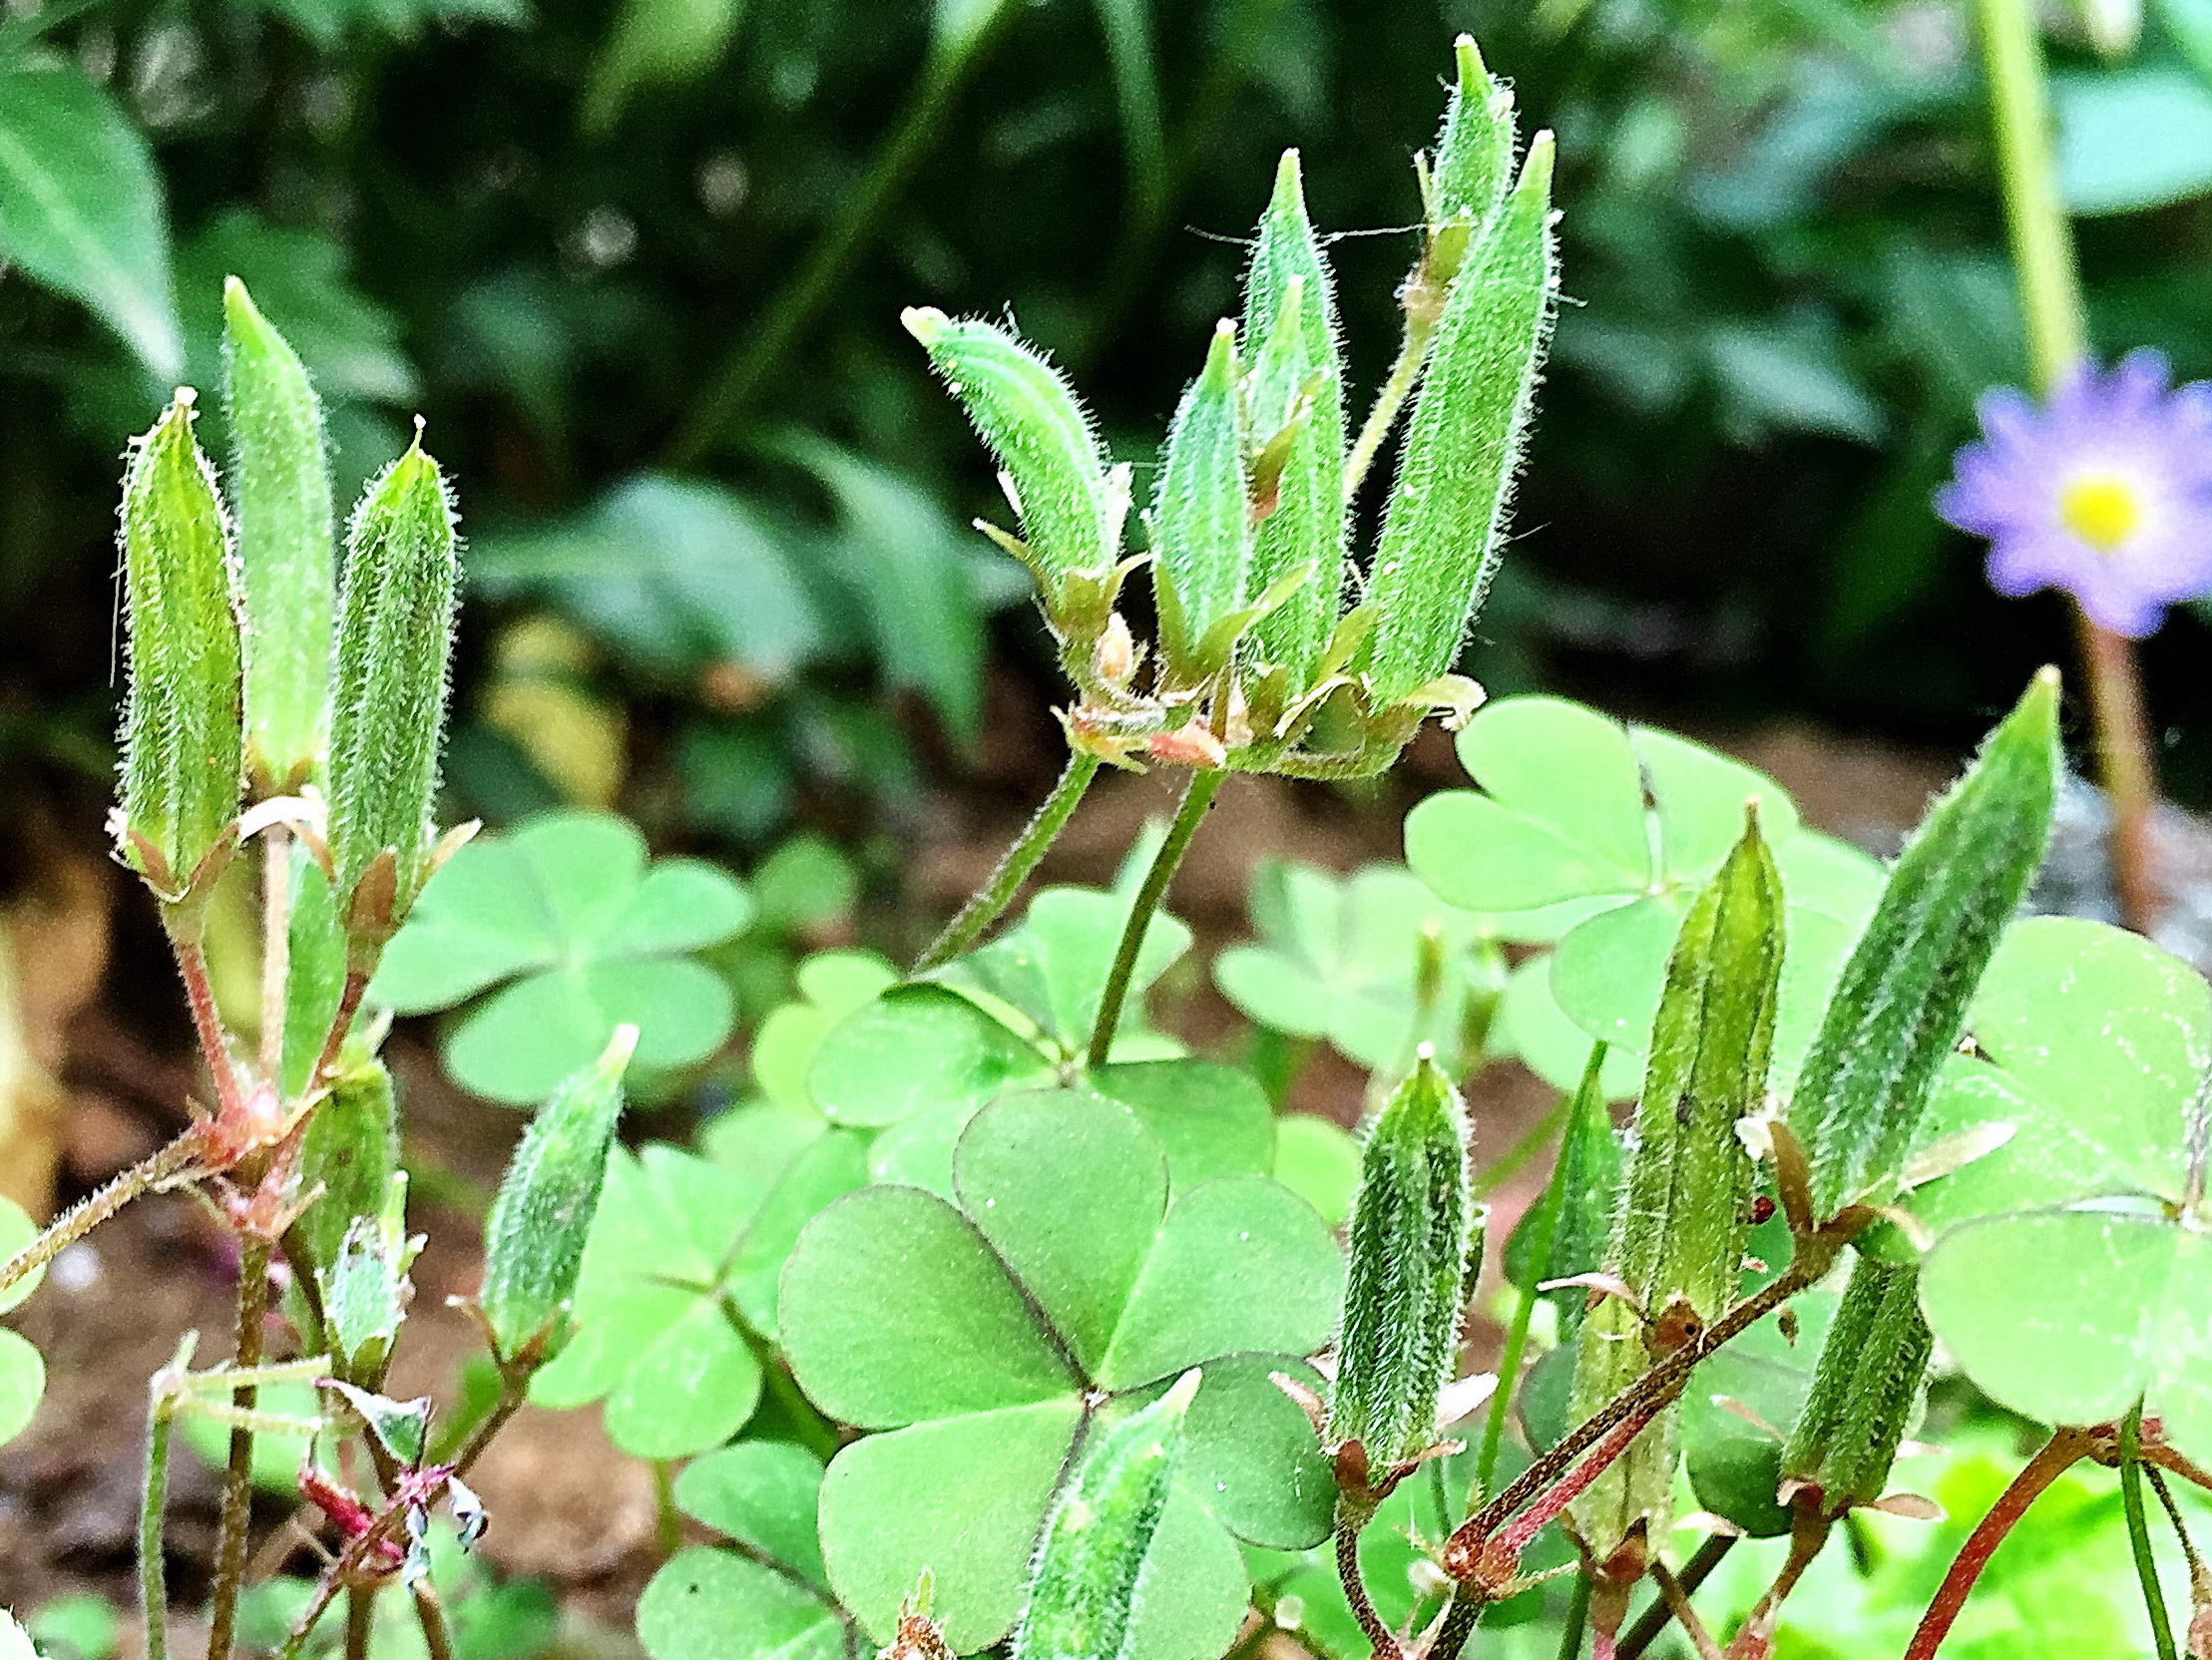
point(639, 263)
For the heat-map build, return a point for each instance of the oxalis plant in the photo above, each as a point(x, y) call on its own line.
point(992, 1319)
point(288, 712)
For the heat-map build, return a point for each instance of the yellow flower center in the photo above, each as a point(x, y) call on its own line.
point(2102, 510)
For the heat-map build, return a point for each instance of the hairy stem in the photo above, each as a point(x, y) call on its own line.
point(1659, 1616)
point(1195, 800)
point(238, 1477)
point(1458, 1624)
point(1675, 1597)
point(2138, 1531)
point(333, 1045)
point(87, 1213)
point(207, 1023)
point(2053, 313)
point(1015, 865)
point(1405, 374)
point(1372, 1626)
point(2065, 1449)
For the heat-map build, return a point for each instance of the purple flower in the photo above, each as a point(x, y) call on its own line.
point(2105, 491)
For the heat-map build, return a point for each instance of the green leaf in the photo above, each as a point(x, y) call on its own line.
point(587, 936)
point(1342, 959)
point(1901, 999)
point(655, 42)
point(1533, 1028)
point(1734, 1465)
point(763, 1494)
point(1212, 1120)
point(1316, 1160)
point(1236, 1266)
point(1446, 517)
point(2111, 1311)
point(541, 1215)
point(22, 1383)
point(715, 1605)
point(676, 575)
point(2096, 1043)
point(81, 207)
point(1053, 967)
point(2132, 138)
point(916, 1050)
point(1071, 507)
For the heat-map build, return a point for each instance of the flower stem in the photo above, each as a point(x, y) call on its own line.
point(2138, 1531)
point(360, 1620)
point(1348, 1525)
point(1577, 1618)
point(206, 1021)
point(276, 910)
point(1659, 1616)
point(1015, 865)
point(1676, 1598)
point(1405, 374)
point(160, 1418)
point(238, 1477)
point(87, 1213)
point(2065, 1449)
point(1195, 800)
point(2056, 322)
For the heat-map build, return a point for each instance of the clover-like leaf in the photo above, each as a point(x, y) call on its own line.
point(1341, 960)
point(1319, 1162)
point(1577, 813)
point(1533, 1028)
point(679, 1278)
point(571, 934)
point(1073, 1275)
point(2096, 1043)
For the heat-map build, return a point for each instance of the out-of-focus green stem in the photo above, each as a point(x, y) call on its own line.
point(160, 1418)
point(2056, 322)
point(1013, 867)
point(2138, 1531)
point(238, 1480)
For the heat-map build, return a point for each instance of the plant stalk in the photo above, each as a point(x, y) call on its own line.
point(1372, 1625)
point(1674, 1596)
point(1656, 1619)
point(2138, 1531)
point(160, 1418)
point(1195, 800)
point(206, 1021)
point(276, 909)
point(360, 1620)
point(87, 1213)
point(2063, 1451)
point(2055, 321)
point(1015, 865)
point(238, 1477)
point(1576, 1623)
point(1405, 375)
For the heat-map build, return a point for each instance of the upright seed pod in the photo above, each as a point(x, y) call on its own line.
point(1083, 1581)
point(349, 1150)
point(280, 501)
point(534, 1238)
point(183, 738)
point(1901, 1003)
point(1201, 519)
point(1473, 163)
point(1446, 513)
point(1071, 503)
point(1678, 1236)
point(1414, 1245)
point(1290, 320)
point(1864, 1387)
point(1585, 1184)
point(387, 726)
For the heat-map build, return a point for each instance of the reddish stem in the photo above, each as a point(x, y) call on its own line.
point(207, 1020)
point(2065, 1449)
point(2125, 767)
point(1371, 1624)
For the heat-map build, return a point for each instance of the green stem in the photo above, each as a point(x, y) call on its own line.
point(360, 1620)
point(1493, 1176)
point(1545, 1228)
point(1405, 374)
point(238, 1477)
point(2138, 1531)
point(2056, 322)
point(160, 1418)
point(438, 1637)
point(276, 873)
point(1577, 1618)
point(762, 347)
point(1195, 800)
point(667, 1520)
point(1015, 865)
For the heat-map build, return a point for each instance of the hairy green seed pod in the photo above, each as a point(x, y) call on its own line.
point(1474, 149)
point(1290, 318)
point(280, 501)
point(1070, 503)
point(1446, 513)
point(534, 1238)
point(1414, 1245)
point(1201, 518)
point(1901, 1003)
point(1084, 1580)
point(395, 639)
point(1679, 1235)
point(1864, 1387)
point(1585, 1184)
point(317, 964)
point(351, 1151)
point(182, 734)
